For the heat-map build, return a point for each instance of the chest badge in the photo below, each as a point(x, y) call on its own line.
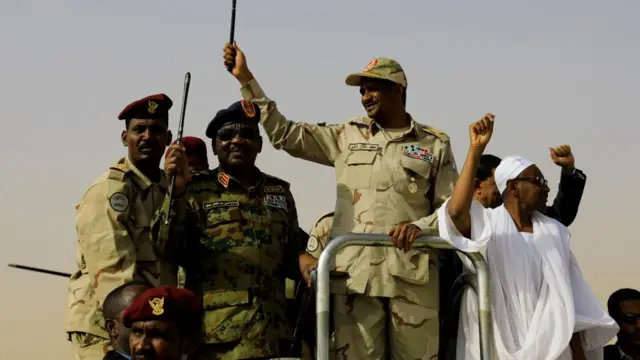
point(415, 152)
point(276, 201)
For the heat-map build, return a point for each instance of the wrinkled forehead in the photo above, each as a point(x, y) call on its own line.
point(154, 325)
point(630, 306)
point(531, 171)
point(148, 123)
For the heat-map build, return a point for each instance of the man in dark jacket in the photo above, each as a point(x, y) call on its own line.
point(564, 209)
point(114, 305)
point(624, 308)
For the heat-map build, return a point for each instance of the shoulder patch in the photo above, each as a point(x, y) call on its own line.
point(119, 202)
point(435, 132)
point(360, 120)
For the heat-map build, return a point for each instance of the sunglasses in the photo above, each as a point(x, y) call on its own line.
point(630, 319)
point(246, 133)
point(534, 180)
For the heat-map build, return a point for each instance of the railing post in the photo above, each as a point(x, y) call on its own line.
point(323, 291)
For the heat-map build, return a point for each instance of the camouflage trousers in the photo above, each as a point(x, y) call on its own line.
point(379, 328)
point(89, 346)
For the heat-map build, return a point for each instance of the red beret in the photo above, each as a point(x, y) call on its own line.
point(178, 305)
point(151, 107)
point(193, 146)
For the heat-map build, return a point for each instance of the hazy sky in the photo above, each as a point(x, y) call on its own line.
point(553, 72)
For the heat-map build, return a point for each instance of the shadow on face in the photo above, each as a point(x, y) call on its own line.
point(530, 188)
point(155, 340)
point(380, 98)
point(146, 140)
point(629, 322)
point(487, 193)
point(237, 145)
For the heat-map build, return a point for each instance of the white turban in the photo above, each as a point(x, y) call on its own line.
point(509, 168)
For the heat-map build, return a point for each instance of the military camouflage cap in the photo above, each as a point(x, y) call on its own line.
point(380, 68)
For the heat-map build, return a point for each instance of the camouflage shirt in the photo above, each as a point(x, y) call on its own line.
point(237, 246)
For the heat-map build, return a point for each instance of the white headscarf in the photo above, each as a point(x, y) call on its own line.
point(509, 168)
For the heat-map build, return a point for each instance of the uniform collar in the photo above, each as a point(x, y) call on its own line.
point(143, 181)
point(414, 127)
point(227, 180)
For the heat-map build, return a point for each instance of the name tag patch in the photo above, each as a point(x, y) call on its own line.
point(363, 147)
point(273, 189)
point(276, 201)
point(415, 152)
point(216, 204)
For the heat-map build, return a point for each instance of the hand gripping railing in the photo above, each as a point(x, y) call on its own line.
point(351, 239)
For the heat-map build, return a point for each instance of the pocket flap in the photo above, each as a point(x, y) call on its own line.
point(227, 315)
point(419, 167)
point(364, 157)
point(224, 298)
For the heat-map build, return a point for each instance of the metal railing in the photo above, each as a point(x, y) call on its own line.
point(323, 294)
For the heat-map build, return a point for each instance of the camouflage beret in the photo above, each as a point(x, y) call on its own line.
point(178, 305)
point(243, 110)
point(380, 68)
point(151, 107)
point(193, 146)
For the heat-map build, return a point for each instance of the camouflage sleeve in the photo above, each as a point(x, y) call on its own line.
point(318, 143)
point(174, 242)
point(444, 182)
point(103, 236)
point(295, 243)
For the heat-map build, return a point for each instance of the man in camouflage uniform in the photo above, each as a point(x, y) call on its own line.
point(112, 221)
point(234, 231)
point(392, 173)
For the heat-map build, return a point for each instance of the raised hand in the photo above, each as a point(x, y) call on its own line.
point(234, 58)
point(480, 131)
point(562, 156)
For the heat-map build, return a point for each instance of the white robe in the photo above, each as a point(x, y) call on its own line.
point(538, 294)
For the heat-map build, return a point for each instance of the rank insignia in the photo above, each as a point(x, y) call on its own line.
point(157, 306)
point(276, 201)
point(370, 65)
point(248, 108)
point(415, 152)
point(152, 107)
point(223, 179)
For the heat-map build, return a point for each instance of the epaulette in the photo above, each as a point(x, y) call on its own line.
point(360, 120)
point(435, 132)
point(277, 180)
point(205, 180)
point(118, 172)
point(324, 217)
point(200, 175)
